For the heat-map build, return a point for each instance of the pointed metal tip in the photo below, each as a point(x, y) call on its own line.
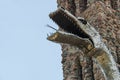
point(51, 27)
point(47, 35)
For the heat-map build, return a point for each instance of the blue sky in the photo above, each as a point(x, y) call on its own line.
point(25, 54)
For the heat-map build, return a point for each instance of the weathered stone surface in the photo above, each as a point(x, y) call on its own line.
point(104, 20)
point(71, 65)
point(107, 21)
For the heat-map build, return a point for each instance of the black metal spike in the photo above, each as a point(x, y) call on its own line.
point(51, 27)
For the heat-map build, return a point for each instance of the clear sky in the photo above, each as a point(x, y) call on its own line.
point(25, 54)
